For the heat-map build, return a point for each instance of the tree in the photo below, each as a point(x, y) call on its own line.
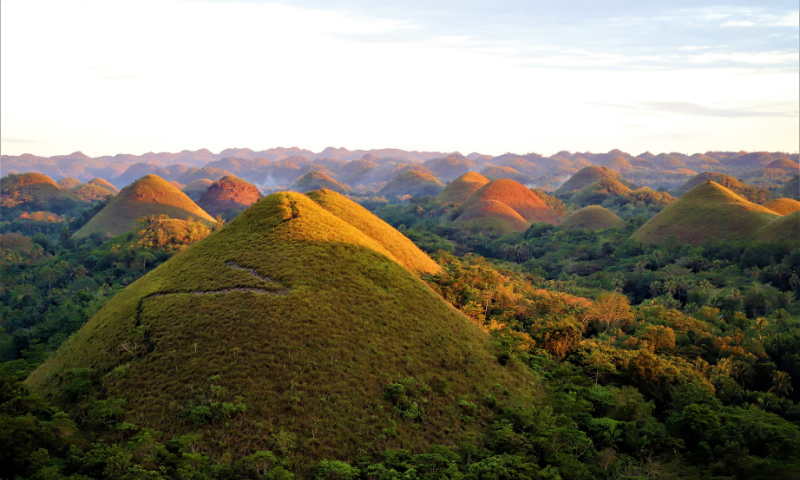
point(781, 384)
point(611, 308)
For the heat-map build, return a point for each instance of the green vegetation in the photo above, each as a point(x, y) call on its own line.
point(491, 216)
point(587, 176)
point(315, 180)
point(29, 192)
point(592, 218)
point(412, 183)
point(149, 196)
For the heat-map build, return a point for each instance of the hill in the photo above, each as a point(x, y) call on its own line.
point(593, 217)
point(196, 188)
point(35, 192)
point(786, 228)
point(209, 173)
point(100, 182)
point(520, 198)
point(587, 176)
point(412, 182)
point(791, 189)
point(462, 187)
point(492, 216)
point(150, 195)
point(68, 183)
point(449, 168)
point(315, 180)
point(397, 246)
point(727, 181)
point(783, 206)
point(600, 191)
point(784, 164)
point(708, 212)
point(228, 193)
point(287, 329)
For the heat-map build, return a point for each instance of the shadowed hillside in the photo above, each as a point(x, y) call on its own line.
point(150, 195)
point(288, 323)
point(520, 198)
point(786, 228)
point(462, 187)
point(196, 188)
point(315, 180)
point(412, 182)
point(229, 193)
point(68, 183)
point(708, 212)
point(593, 217)
point(449, 168)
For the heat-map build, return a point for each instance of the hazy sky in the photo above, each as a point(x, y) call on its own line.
point(108, 77)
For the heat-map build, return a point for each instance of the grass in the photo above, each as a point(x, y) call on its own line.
point(315, 180)
point(786, 228)
point(492, 216)
point(783, 206)
point(36, 191)
point(101, 182)
point(784, 164)
point(68, 183)
point(727, 181)
point(150, 195)
point(520, 198)
point(196, 188)
point(461, 188)
point(791, 189)
point(593, 217)
point(708, 212)
point(599, 191)
point(90, 192)
point(228, 193)
point(394, 244)
point(309, 365)
point(587, 176)
point(412, 182)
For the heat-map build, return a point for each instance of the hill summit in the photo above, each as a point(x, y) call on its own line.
point(288, 326)
point(462, 187)
point(228, 193)
point(416, 183)
point(708, 212)
point(149, 195)
point(593, 217)
point(316, 180)
point(516, 196)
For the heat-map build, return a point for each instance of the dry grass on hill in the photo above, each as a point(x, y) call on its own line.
point(196, 188)
point(414, 183)
point(593, 217)
point(461, 188)
point(520, 198)
point(785, 228)
point(315, 180)
point(492, 216)
point(104, 183)
point(783, 206)
point(587, 176)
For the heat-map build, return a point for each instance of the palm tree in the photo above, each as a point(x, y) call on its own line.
point(781, 384)
point(658, 255)
point(655, 288)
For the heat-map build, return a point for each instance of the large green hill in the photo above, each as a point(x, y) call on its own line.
point(150, 195)
point(287, 328)
point(35, 192)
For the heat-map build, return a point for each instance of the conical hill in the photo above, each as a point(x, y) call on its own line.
point(287, 325)
point(35, 192)
point(783, 206)
point(708, 212)
point(395, 245)
point(196, 188)
point(593, 217)
point(492, 216)
point(462, 187)
point(517, 196)
point(587, 176)
point(785, 228)
point(228, 193)
point(101, 182)
point(315, 180)
point(416, 183)
point(150, 195)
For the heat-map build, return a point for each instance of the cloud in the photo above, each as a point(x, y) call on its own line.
point(738, 24)
point(687, 108)
point(115, 78)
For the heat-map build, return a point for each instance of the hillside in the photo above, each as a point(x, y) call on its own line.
point(593, 217)
point(34, 192)
point(783, 206)
point(316, 180)
point(396, 245)
point(458, 190)
point(520, 198)
point(196, 188)
point(600, 191)
point(412, 182)
point(449, 168)
point(68, 183)
point(288, 327)
point(727, 181)
point(150, 195)
point(782, 229)
point(492, 216)
point(100, 182)
point(791, 189)
point(228, 193)
point(587, 176)
point(708, 212)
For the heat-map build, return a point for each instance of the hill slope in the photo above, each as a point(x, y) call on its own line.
point(291, 317)
point(520, 198)
point(708, 212)
point(196, 188)
point(587, 176)
point(412, 182)
point(593, 217)
point(396, 245)
point(462, 187)
point(315, 180)
point(34, 192)
point(105, 184)
point(150, 195)
point(783, 206)
point(492, 216)
point(228, 193)
point(786, 228)
point(727, 181)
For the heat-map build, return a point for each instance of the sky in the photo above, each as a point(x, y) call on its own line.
point(107, 77)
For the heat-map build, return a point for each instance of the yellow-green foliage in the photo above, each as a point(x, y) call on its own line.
point(151, 195)
point(462, 187)
point(593, 217)
point(94, 192)
point(309, 360)
point(781, 229)
point(394, 244)
point(708, 212)
point(783, 206)
point(103, 183)
point(315, 180)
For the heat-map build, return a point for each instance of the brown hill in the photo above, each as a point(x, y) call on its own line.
point(316, 180)
point(68, 183)
point(412, 182)
point(708, 212)
point(520, 198)
point(151, 195)
point(103, 183)
point(593, 217)
point(727, 181)
point(587, 176)
point(783, 206)
point(462, 187)
point(196, 188)
point(784, 164)
point(492, 216)
point(228, 193)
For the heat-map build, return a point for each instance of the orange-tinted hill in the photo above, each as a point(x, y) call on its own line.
point(593, 217)
point(397, 245)
point(784, 164)
point(149, 195)
point(100, 182)
point(68, 183)
point(196, 188)
point(416, 183)
point(228, 193)
point(708, 212)
point(462, 187)
point(492, 216)
point(783, 206)
point(727, 181)
point(316, 180)
point(587, 176)
point(34, 192)
point(520, 198)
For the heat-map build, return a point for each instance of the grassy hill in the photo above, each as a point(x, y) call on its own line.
point(520, 198)
point(196, 188)
point(35, 192)
point(783, 206)
point(315, 180)
point(68, 183)
point(228, 193)
point(95, 190)
point(587, 176)
point(600, 191)
point(287, 330)
point(414, 183)
point(492, 216)
point(103, 183)
point(449, 168)
point(593, 217)
point(708, 212)
point(791, 189)
point(462, 187)
point(150, 195)
point(786, 228)
point(727, 181)
point(395, 245)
